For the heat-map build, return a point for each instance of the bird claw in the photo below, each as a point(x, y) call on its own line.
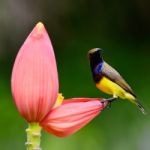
point(109, 100)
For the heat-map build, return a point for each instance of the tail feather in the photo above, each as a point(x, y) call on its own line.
point(140, 106)
point(134, 100)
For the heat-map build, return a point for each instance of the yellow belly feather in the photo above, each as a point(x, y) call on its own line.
point(109, 87)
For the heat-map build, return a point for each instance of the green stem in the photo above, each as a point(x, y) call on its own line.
point(33, 136)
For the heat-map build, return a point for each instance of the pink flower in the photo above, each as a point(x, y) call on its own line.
point(72, 115)
point(34, 86)
point(34, 77)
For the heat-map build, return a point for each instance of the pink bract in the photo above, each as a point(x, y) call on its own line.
point(34, 78)
point(72, 115)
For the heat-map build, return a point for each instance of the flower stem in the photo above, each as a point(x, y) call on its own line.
point(33, 136)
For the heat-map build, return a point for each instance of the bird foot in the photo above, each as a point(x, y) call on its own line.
point(109, 100)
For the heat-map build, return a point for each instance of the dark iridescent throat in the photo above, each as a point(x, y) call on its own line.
point(96, 63)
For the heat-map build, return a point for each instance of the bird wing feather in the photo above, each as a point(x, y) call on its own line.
point(114, 76)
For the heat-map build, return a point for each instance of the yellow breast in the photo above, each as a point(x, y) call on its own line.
point(111, 88)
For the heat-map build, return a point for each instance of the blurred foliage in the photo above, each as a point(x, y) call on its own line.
point(121, 28)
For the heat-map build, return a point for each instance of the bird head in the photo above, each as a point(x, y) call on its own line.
point(95, 55)
point(96, 62)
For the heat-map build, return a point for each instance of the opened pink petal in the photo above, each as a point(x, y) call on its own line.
point(34, 78)
point(71, 116)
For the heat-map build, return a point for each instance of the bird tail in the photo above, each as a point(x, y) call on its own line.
point(135, 101)
point(139, 105)
point(141, 108)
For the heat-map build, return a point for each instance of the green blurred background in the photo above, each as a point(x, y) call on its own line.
point(121, 28)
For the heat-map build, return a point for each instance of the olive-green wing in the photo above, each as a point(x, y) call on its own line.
point(114, 76)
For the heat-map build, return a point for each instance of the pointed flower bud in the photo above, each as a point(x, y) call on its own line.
point(72, 115)
point(34, 78)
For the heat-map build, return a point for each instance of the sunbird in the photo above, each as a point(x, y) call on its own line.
point(108, 80)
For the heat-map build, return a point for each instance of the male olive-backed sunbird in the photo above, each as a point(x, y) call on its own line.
point(108, 80)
